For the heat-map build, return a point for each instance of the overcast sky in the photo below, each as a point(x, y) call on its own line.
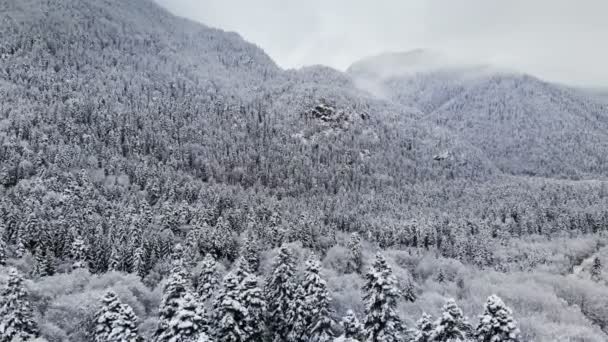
point(562, 40)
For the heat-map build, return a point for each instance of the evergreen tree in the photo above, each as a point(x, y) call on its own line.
point(188, 323)
point(424, 329)
point(452, 326)
point(207, 280)
point(229, 313)
point(353, 330)
point(79, 253)
point(497, 323)
point(596, 269)
point(298, 317)
point(441, 276)
point(2, 253)
point(251, 253)
point(44, 262)
point(355, 255)
point(409, 292)
point(280, 292)
point(252, 298)
point(16, 318)
point(107, 317)
point(380, 296)
point(125, 328)
point(317, 304)
point(139, 262)
point(173, 293)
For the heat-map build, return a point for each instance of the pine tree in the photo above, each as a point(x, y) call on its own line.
point(229, 313)
point(424, 329)
point(596, 269)
point(207, 280)
point(280, 292)
point(16, 318)
point(497, 323)
point(317, 304)
point(355, 255)
point(252, 298)
point(380, 296)
point(353, 330)
point(452, 326)
point(173, 293)
point(79, 253)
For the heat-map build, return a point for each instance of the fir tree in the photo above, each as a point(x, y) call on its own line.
point(252, 298)
point(173, 293)
point(317, 304)
point(16, 318)
point(497, 323)
point(452, 326)
point(380, 296)
point(353, 330)
point(596, 269)
point(409, 292)
point(229, 313)
point(355, 255)
point(107, 317)
point(298, 317)
point(251, 253)
point(424, 329)
point(2, 253)
point(139, 262)
point(79, 253)
point(125, 328)
point(207, 280)
point(188, 323)
point(280, 292)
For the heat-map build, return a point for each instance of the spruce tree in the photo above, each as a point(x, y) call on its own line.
point(424, 329)
point(355, 255)
point(452, 326)
point(280, 292)
point(2, 253)
point(188, 323)
point(139, 262)
point(106, 317)
point(173, 293)
point(298, 317)
point(79, 253)
point(252, 298)
point(353, 330)
point(496, 323)
point(317, 304)
point(228, 311)
point(207, 280)
point(380, 296)
point(596, 269)
point(125, 328)
point(16, 318)
point(250, 252)
point(409, 292)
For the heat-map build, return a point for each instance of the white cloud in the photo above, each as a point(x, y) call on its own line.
point(561, 40)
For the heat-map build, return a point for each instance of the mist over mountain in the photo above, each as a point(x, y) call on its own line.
point(164, 180)
point(524, 125)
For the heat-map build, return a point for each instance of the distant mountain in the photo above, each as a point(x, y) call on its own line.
point(524, 125)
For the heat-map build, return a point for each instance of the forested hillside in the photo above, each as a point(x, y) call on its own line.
point(523, 125)
point(164, 180)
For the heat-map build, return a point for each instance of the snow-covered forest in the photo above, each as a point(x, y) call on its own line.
point(161, 180)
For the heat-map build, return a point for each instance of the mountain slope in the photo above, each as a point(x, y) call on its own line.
point(524, 125)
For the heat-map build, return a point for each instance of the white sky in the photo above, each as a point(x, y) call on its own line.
point(561, 40)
